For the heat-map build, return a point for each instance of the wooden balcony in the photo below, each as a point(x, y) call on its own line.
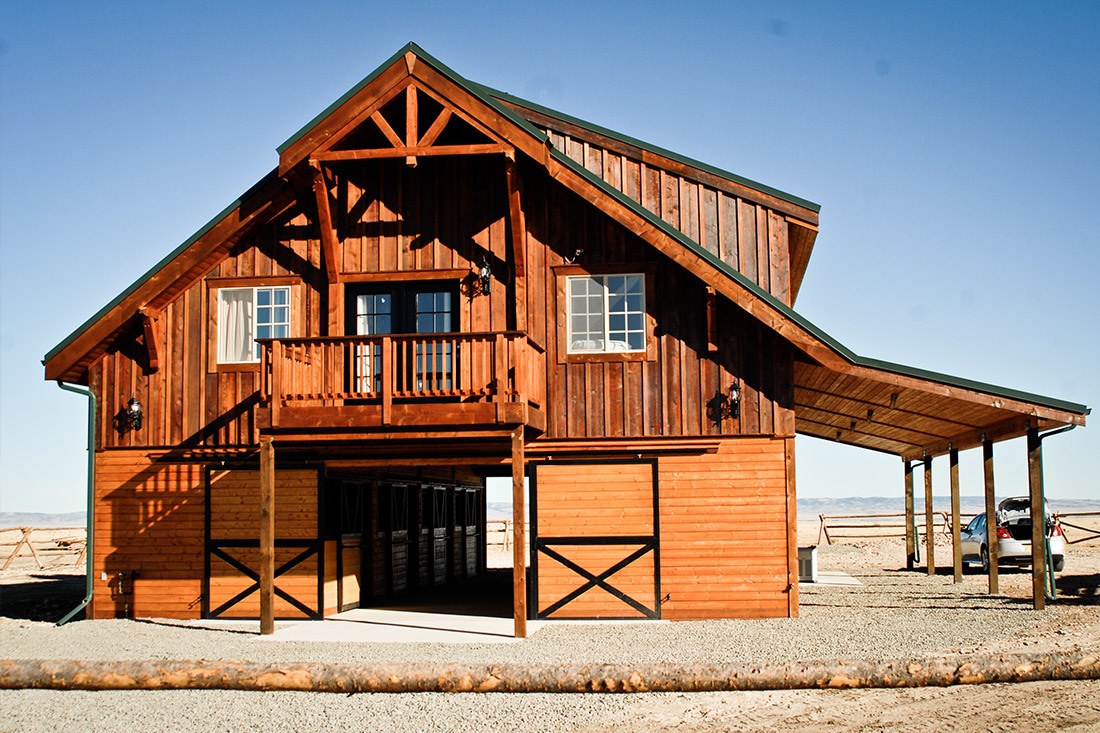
point(335, 386)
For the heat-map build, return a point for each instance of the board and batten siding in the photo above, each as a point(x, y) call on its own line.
point(387, 227)
point(748, 236)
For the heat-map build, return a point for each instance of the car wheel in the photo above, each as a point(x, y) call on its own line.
point(985, 560)
point(1059, 563)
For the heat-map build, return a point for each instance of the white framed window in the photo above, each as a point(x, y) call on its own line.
point(606, 313)
point(247, 314)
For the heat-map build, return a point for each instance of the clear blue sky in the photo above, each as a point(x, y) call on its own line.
point(953, 148)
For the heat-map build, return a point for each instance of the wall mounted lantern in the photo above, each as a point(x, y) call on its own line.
point(485, 276)
point(734, 401)
point(133, 413)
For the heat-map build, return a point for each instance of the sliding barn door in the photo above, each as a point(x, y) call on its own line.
point(595, 540)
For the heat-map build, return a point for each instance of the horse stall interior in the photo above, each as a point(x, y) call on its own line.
point(382, 538)
point(402, 539)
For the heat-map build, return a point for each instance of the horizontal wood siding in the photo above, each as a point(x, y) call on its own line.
point(148, 520)
point(724, 532)
point(234, 515)
point(589, 501)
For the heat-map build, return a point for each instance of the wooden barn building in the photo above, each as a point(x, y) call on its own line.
point(295, 412)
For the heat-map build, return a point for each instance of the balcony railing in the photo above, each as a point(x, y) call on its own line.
point(424, 369)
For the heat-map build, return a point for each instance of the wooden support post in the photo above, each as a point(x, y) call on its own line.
point(990, 515)
point(267, 535)
point(792, 531)
point(149, 334)
point(330, 248)
point(517, 237)
point(1038, 519)
point(956, 540)
point(412, 135)
point(929, 531)
point(910, 520)
point(519, 556)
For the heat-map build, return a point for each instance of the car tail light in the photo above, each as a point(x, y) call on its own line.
point(1003, 533)
point(1056, 531)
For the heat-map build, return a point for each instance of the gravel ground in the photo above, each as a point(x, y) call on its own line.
point(893, 614)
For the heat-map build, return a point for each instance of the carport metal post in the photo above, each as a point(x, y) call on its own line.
point(956, 540)
point(929, 531)
point(910, 523)
point(1038, 519)
point(990, 514)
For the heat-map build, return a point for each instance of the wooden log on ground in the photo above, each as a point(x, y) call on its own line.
point(59, 674)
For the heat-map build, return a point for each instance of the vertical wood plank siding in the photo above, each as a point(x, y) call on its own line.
point(385, 226)
point(746, 235)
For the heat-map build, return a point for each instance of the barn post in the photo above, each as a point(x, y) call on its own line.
point(519, 558)
point(267, 535)
point(1038, 519)
point(910, 519)
point(956, 540)
point(990, 515)
point(929, 525)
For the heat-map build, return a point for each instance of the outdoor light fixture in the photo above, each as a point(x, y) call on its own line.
point(485, 275)
point(734, 401)
point(133, 413)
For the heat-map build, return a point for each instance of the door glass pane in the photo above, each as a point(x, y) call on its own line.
point(433, 368)
point(373, 316)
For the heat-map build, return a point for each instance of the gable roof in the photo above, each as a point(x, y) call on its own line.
point(184, 265)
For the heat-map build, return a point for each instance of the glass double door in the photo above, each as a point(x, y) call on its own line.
point(404, 308)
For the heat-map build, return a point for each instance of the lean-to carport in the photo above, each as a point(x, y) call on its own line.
point(919, 415)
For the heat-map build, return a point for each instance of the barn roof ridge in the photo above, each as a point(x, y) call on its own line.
point(485, 95)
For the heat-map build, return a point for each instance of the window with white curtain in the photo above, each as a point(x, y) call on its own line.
point(606, 313)
point(247, 314)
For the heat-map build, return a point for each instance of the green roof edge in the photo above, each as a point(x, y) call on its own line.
point(160, 265)
point(599, 129)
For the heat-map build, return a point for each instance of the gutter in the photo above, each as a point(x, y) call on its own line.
point(1051, 589)
point(89, 555)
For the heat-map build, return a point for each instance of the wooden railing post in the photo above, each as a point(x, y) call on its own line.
point(387, 378)
point(500, 372)
point(276, 380)
point(519, 519)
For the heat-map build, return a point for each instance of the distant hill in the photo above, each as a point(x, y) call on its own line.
point(810, 507)
point(38, 519)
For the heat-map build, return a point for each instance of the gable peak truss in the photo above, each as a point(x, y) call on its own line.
point(409, 120)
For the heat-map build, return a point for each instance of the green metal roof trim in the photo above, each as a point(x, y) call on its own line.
point(160, 265)
point(793, 315)
point(763, 188)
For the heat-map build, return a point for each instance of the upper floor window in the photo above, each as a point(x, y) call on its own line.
point(247, 314)
point(606, 313)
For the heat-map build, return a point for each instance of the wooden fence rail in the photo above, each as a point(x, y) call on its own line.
point(869, 529)
point(1091, 533)
point(71, 542)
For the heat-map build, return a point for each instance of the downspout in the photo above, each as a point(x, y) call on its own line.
point(89, 555)
point(1052, 591)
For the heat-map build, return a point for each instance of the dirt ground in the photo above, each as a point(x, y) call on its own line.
point(1071, 623)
